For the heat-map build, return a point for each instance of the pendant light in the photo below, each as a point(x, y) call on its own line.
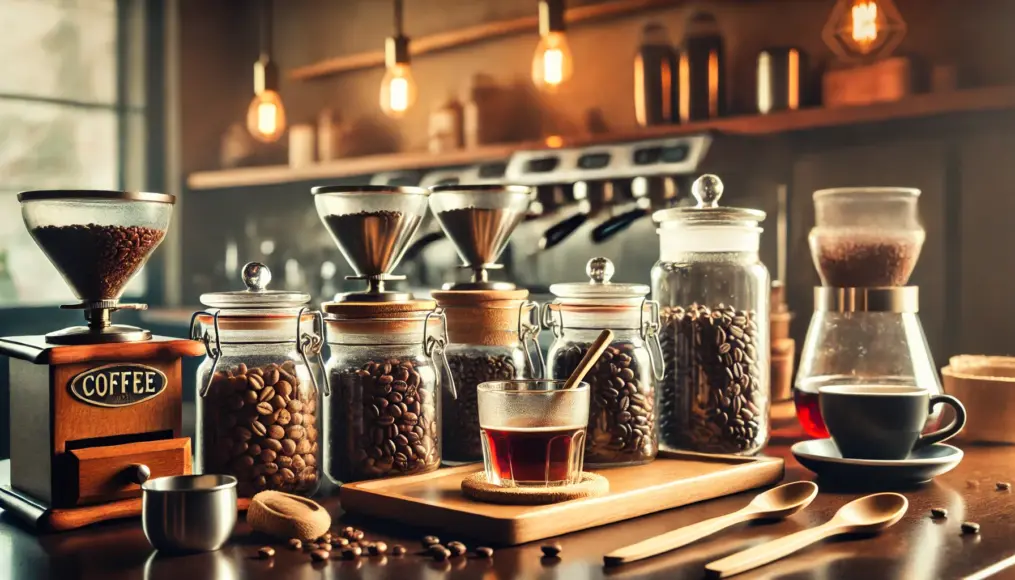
point(552, 63)
point(864, 29)
point(266, 115)
point(398, 89)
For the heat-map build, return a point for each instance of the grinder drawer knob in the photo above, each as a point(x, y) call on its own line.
point(138, 473)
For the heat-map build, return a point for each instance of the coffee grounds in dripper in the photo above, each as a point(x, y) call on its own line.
point(98, 261)
point(862, 259)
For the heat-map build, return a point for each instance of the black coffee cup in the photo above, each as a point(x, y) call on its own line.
point(883, 422)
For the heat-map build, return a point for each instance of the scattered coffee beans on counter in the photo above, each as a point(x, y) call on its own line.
point(457, 548)
point(397, 550)
point(970, 528)
point(383, 421)
point(266, 552)
point(351, 552)
point(378, 549)
point(358, 535)
point(439, 553)
point(460, 417)
point(98, 261)
point(938, 513)
point(325, 539)
point(320, 555)
point(552, 549)
point(295, 544)
point(1003, 486)
point(622, 426)
point(718, 402)
point(311, 546)
point(484, 552)
point(325, 547)
point(428, 541)
point(259, 425)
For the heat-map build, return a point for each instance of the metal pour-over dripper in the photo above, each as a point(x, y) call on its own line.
point(372, 226)
point(98, 240)
point(479, 220)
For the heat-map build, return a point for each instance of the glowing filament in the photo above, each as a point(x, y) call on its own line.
point(553, 66)
point(266, 115)
point(399, 94)
point(865, 23)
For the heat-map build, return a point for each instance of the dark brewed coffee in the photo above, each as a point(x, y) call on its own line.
point(535, 456)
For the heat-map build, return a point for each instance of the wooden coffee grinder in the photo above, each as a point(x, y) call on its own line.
point(96, 409)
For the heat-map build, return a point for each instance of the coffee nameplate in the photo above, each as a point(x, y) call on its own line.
point(118, 385)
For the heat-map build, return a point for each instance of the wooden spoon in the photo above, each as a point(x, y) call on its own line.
point(776, 503)
point(871, 513)
point(595, 349)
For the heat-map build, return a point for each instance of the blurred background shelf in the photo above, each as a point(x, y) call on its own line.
point(916, 107)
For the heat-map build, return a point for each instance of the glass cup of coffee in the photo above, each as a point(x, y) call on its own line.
point(533, 431)
point(884, 422)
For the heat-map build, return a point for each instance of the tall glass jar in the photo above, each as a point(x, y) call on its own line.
point(622, 427)
point(494, 337)
point(258, 387)
point(714, 293)
point(383, 414)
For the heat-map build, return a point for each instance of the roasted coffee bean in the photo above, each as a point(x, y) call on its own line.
point(439, 553)
point(321, 555)
point(460, 416)
point(295, 544)
point(266, 552)
point(365, 441)
point(484, 552)
point(970, 528)
point(622, 424)
point(1002, 486)
point(98, 260)
point(553, 549)
point(457, 548)
point(251, 441)
point(398, 550)
point(712, 396)
point(428, 541)
point(339, 542)
point(938, 513)
point(378, 549)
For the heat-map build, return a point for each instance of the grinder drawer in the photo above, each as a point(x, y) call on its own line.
point(106, 473)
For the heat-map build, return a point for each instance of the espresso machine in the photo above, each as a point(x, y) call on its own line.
point(95, 409)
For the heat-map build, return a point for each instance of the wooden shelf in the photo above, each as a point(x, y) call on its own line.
point(915, 107)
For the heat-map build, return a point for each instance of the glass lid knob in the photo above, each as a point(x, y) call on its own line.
point(256, 277)
point(707, 189)
point(599, 270)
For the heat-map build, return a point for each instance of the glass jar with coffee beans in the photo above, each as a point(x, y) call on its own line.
point(258, 387)
point(714, 293)
point(383, 414)
point(493, 336)
point(622, 428)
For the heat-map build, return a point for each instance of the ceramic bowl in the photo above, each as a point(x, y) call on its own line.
point(986, 387)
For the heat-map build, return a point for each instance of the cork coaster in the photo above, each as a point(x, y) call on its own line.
point(477, 487)
point(285, 515)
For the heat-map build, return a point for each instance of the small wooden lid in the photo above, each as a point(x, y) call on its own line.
point(348, 310)
point(477, 487)
point(482, 317)
point(480, 298)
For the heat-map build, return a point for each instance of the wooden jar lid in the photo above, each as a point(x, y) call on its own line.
point(377, 317)
point(482, 317)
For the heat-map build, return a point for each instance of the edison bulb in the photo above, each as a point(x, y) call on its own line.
point(266, 116)
point(552, 64)
point(398, 90)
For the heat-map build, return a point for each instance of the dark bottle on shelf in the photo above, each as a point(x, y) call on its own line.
point(655, 78)
point(702, 70)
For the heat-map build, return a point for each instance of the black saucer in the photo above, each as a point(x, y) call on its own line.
point(823, 458)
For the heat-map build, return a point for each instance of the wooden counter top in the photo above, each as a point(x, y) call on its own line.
point(916, 548)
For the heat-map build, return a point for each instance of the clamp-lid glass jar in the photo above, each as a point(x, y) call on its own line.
point(257, 387)
point(382, 416)
point(494, 336)
point(714, 293)
point(622, 418)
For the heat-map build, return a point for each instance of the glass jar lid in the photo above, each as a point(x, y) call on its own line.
point(600, 285)
point(256, 277)
point(707, 190)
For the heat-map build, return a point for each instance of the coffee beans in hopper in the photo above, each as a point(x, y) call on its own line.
point(715, 398)
point(260, 426)
point(384, 422)
point(622, 425)
point(460, 416)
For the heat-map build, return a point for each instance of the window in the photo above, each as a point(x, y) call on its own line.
point(71, 117)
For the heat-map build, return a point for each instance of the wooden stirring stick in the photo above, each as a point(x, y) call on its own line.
point(595, 350)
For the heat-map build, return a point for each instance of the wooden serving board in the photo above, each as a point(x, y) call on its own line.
point(434, 501)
